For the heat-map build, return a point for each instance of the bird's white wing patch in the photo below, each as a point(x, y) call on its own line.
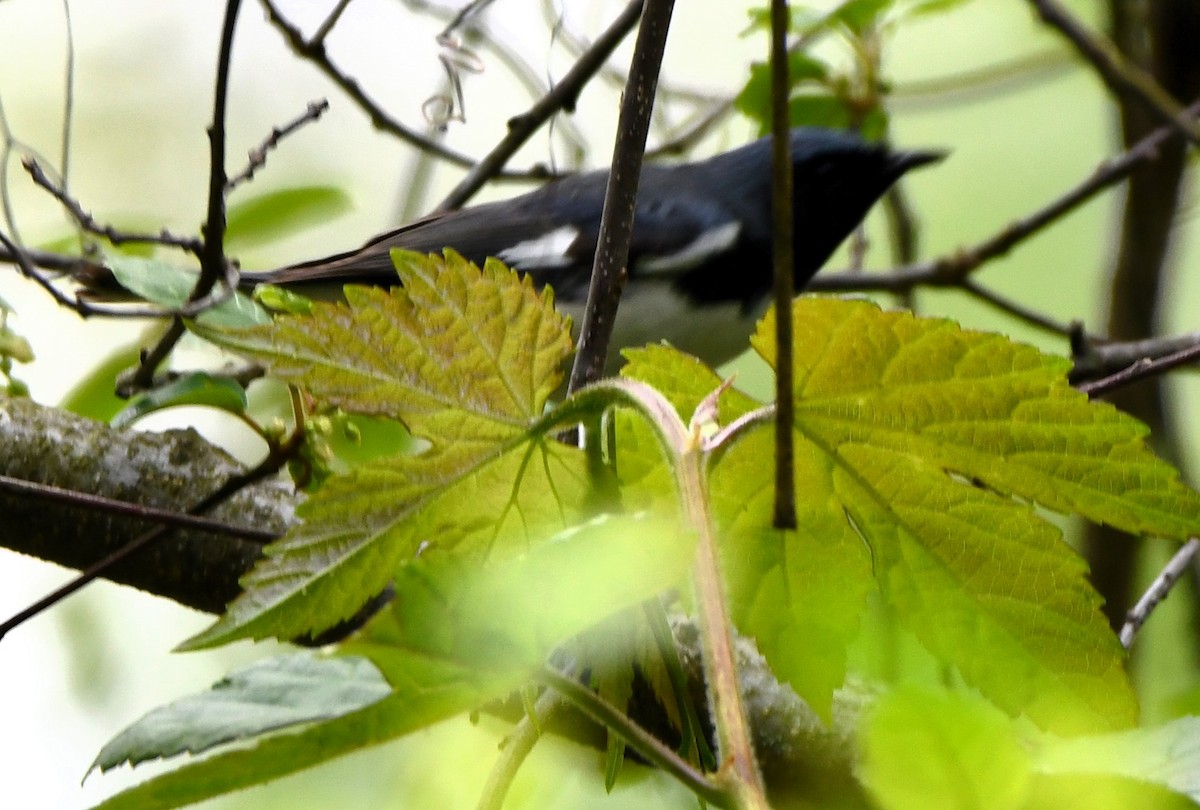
point(709, 243)
point(548, 250)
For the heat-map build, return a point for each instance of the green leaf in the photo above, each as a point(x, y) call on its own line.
point(1167, 756)
point(754, 101)
point(279, 213)
point(467, 359)
point(197, 388)
point(265, 696)
point(928, 750)
point(457, 637)
point(360, 527)
point(93, 395)
point(455, 351)
point(169, 286)
point(927, 441)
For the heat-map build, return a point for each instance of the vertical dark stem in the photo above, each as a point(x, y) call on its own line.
point(616, 223)
point(782, 202)
point(212, 257)
point(1159, 36)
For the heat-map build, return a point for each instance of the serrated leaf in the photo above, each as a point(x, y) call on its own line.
point(457, 351)
point(921, 434)
point(932, 750)
point(802, 621)
point(459, 636)
point(265, 696)
point(361, 526)
point(467, 359)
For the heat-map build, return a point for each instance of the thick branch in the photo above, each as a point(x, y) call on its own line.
point(172, 470)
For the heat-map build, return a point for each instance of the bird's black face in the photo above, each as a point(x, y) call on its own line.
point(834, 191)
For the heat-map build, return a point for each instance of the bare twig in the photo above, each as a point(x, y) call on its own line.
point(1121, 75)
point(950, 270)
point(616, 222)
point(314, 51)
point(258, 155)
point(89, 223)
point(784, 516)
point(213, 265)
point(561, 97)
point(12, 252)
point(166, 517)
point(1141, 369)
point(1158, 591)
point(1018, 311)
point(329, 22)
point(1096, 358)
point(641, 740)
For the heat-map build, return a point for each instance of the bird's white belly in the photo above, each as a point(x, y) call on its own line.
point(651, 312)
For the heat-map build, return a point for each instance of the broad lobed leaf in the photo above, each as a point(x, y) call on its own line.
point(361, 526)
point(455, 342)
point(919, 448)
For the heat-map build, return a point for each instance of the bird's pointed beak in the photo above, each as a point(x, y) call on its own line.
point(903, 162)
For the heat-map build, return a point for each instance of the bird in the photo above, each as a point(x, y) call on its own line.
point(699, 272)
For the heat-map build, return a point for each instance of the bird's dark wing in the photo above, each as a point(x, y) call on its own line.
point(549, 233)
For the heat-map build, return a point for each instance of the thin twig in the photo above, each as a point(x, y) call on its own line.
point(1158, 591)
point(641, 740)
point(1018, 311)
point(314, 51)
point(950, 270)
point(89, 223)
point(784, 515)
point(11, 251)
point(1146, 367)
point(616, 221)
point(68, 97)
point(1095, 359)
point(213, 265)
point(99, 503)
point(561, 97)
point(258, 155)
point(329, 22)
point(1121, 75)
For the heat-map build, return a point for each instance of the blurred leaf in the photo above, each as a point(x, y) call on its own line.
point(457, 637)
point(276, 214)
point(858, 15)
point(14, 347)
point(93, 395)
point(927, 750)
point(754, 101)
point(265, 696)
point(196, 388)
point(1168, 755)
point(170, 286)
point(282, 300)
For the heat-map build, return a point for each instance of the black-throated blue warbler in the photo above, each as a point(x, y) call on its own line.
point(699, 272)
